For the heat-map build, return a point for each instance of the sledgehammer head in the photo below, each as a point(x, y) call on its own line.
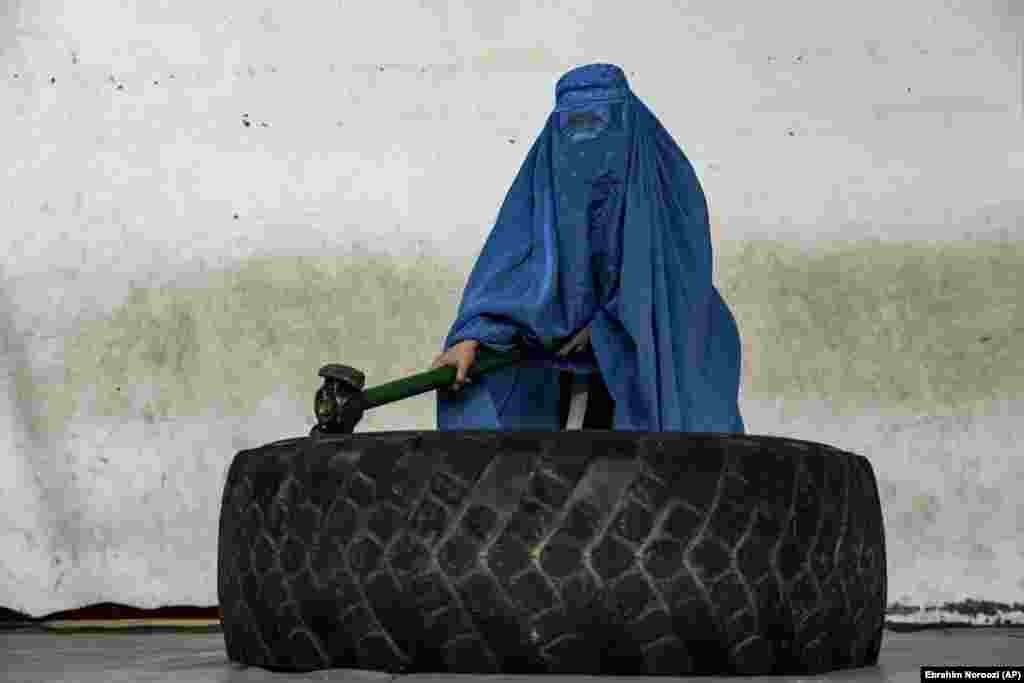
point(338, 405)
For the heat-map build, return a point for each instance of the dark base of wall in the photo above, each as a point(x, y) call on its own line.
point(901, 618)
point(110, 614)
point(9, 616)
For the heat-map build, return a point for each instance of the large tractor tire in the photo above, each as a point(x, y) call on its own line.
point(569, 552)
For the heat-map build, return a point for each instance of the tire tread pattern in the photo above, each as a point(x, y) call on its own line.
point(578, 552)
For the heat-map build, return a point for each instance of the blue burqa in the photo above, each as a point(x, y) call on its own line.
point(605, 225)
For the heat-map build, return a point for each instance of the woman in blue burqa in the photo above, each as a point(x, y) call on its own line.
point(603, 239)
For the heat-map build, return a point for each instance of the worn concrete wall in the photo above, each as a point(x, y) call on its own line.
point(205, 201)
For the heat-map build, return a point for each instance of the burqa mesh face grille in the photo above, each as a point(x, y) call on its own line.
point(588, 122)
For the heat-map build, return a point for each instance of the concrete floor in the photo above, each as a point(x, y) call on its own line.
point(41, 657)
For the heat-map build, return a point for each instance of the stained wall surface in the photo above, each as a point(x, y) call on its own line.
point(204, 202)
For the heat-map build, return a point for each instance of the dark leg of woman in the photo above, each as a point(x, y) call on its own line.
point(600, 406)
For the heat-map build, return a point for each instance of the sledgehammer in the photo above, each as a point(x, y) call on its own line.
point(341, 401)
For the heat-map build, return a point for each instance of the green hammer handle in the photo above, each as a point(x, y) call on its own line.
point(487, 360)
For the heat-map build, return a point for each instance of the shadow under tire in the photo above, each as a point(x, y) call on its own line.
point(569, 552)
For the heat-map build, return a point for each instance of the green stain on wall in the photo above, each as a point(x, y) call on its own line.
point(925, 506)
point(930, 326)
point(927, 326)
point(220, 343)
point(31, 393)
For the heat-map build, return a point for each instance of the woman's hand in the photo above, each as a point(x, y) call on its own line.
point(461, 357)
